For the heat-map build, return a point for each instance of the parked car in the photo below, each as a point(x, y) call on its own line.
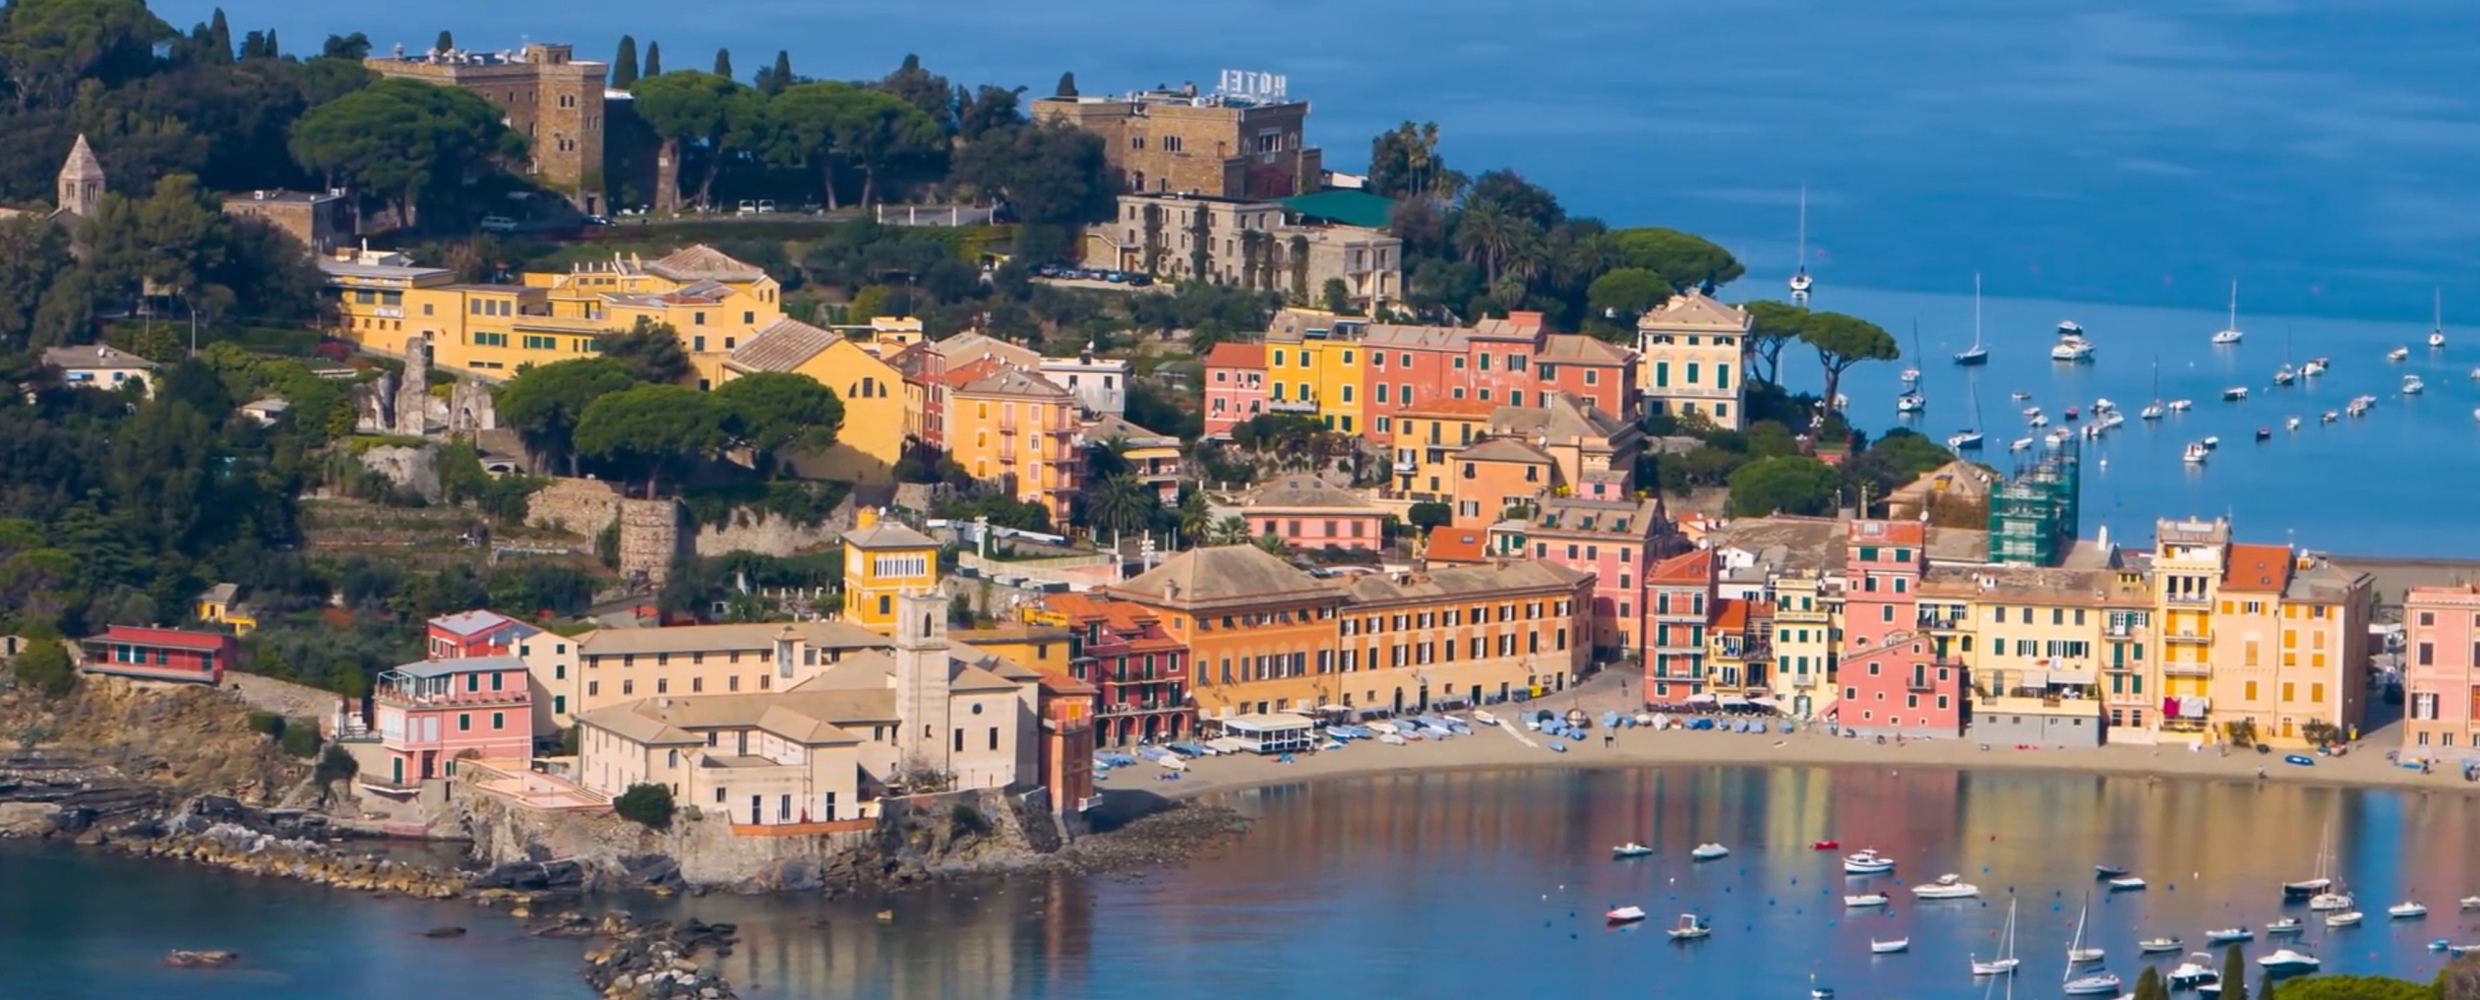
point(596, 220)
point(746, 207)
point(498, 224)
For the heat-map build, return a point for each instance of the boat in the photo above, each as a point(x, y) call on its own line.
point(1877, 947)
point(1825, 845)
point(2005, 963)
point(2151, 411)
point(2437, 331)
point(2071, 415)
point(2159, 945)
point(2412, 386)
point(2031, 412)
point(1800, 281)
point(1866, 899)
point(2285, 375)
point(2315, 367)
point(1947, 886)
point(2181, 405)
point(2291, 424)
point(1821, 993)
point(2126, 884)
point(1691, 928)
point(1911, 401)
point(2288, 960)
point(2100, 982)
point(2211, 441)
point(2346, 918)
point(2398, 354)
point(2038, 420)
point(2077, 954)
point(1969, 438)
point(2022, 396)
point(2314, 887)
point(2195, 453)
point(1484, 718)
point(2107, 871)
point(2330, 902)
point(2230, 334)
point(1867, 862)
point(1625, 915)
point(2406, 910)
point(1975, 354)
point(2470, 903)
point(2232, 935)
point(2071, 346)
point(1708, 852)
point(2329, 417)
point(2234, 394)
point(2197, 969)
point(1631, 849)
point(2282, 927)
point(2020, 444)
point(2264, 434)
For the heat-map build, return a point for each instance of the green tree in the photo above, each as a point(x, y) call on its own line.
point(2149, 987)
point(654, 61)
point(1337, 296)
point(351, 48)
point(650, 351)
point(1627, 291)
point(768, 411)
point(1051, 172)
point(1121, 502)
point(1429, 515)
point(2234, 975)
point(34, 258)
point(1783, 485)
point(44, 666)
point(219, 39)
point(931, 93)
point(408, 142)
point(48, 46)
point(704, 110)
point(1910, 453)
point(723, 63)
point(544, 403)
point(654, 428)
point(1689, 261)
point(1404, 163)
point(624, 65)
point(647, 804)
point(1771, 325)
point(2349, 988)
point(445, 43)
point(1843, 341)
point(826, 124)
point(775, 80)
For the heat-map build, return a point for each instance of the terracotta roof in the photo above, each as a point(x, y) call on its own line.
point(699, 261)
point(1504, 450)
point(1730, 614)
point(1517, 325)
point(1111, 425)
point(1229, 574)
point(1913, 533)
point(1462, 581)
point(1015, 382)
point(1307, 492)
point(784, 345)
point(1628, 518)
point(1461, 546)
point(1576, 348)
point(1687, 567)
point(1236, 355)
point(888, 534)
point(1694, 310)
point(2257, 568)
point(971, 371)
point(1562, 420)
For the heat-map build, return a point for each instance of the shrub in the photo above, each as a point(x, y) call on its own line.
point(44, 666)
point(301, 739)
point(336, 765)
point(968, 819)
point(268, 724)
point(647, 805)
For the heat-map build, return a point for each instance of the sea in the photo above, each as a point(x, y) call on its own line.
point(1469, 883)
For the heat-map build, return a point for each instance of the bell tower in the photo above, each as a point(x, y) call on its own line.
point(81, 180)
point(924, 734)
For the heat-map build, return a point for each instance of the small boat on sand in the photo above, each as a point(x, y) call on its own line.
point(2126, 883)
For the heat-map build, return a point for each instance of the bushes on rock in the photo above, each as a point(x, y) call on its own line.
point(44, 666)
point(268, 724)
point(647, 805)
point(336, 765)
point(301, 739)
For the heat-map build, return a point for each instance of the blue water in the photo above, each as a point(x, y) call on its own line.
point(1479, 884)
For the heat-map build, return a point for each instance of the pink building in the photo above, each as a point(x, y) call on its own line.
point(1408, 369)
point(1498, 362)
point(1235, 386)
point(1596, 371)
point(2441, 672)
point(1617, 541)
point(475, 633)
point(432, 712)
point(159, 654)
point(1678, 591)
point(1893, 679)
point(1306, 513)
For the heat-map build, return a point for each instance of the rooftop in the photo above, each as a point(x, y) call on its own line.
point(1016, 382)
point(1461, 581)
point(782, 346)
point(1229, 574)
point(2260, 568)
point(1456, 546)
point(1505, 450)
point(975, 672)
point(79, 357)
point(1693, 310)
point(807, 717)
point(886, 533)
point(1575, 348)
point(1812, 544)
point(1231, 354)
point(473, 623)
point(459, 665)
point(701, 262)
point(1352, 208)
point(711, 638)
point(1304, 492)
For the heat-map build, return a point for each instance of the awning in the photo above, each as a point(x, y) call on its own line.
point(1700, 699)
point(1762, 702)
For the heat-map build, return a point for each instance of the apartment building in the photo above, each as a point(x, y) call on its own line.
point(1679, 595)
point(1018, 430)
point(1691, 351)
point(2441, 673)
point(1308, 513)
point(877, 409)
point(1235, 377)
point(1140, 673)
point(615, 666)
point(1616, 541)
point(1894, 679)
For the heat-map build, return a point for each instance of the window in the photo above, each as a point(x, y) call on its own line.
point(464, 722)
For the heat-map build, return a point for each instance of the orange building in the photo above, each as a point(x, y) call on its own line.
point(1497, 474)
point(1018, 429)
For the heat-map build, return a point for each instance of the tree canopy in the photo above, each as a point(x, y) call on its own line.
point(544, 404)
point(405, 140)
point(768, 411)
point(1843, 341)
point(702, 109)
point(652, 428)
point(1789, 484)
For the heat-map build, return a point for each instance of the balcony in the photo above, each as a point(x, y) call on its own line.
point(1807, 682)
point(1291, 406)
point(2187, 670)
point(2198, 600)
point(389, 312)
point(1406, 467)
point(2188, 638)
point(1940, 622)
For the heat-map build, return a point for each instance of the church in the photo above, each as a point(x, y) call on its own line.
point(77, 190)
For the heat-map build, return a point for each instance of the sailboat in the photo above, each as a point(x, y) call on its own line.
point(2230, 334)
point(2437, 331)
point(1912, 400)
point(2005, 963)
point(2286, 374)
point(2311, 887)
point(1975, 354)
point(2154, 409)
point(2077, 954)
point(1800, 281)
point(1969, 439)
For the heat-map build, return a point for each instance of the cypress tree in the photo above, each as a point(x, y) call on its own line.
point(781, 76)
point(2148, 985)
point(219, 34)
point(1067, 85)
point(723, 63)
point(2264, 986)
point(274, 50)
point(654, 59)
point(446, 41)
point(624, 65)
point(2234, 974)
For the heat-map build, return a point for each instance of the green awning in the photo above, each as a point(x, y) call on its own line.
point(1351, 208)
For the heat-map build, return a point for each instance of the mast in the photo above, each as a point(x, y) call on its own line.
point(1800, 281)
point(2234, 304)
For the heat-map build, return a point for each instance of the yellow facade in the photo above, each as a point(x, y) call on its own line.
point(876, 414)
point(712, 301)
point(1427, 440)
point(1808, 609)
point(884, 560)
point(1018, 429)
point(1308, 360)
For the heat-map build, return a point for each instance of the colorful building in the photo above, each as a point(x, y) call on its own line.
point(1894, 680)
point(883, 560)
point(2441, 673)
point(1594, 371)
point(1616, 541)
point(1691, 352)
point(1595, 451)
point(1137, 670)
point(616, 666)
point(1678, 593)
point(1307, 513)
point(1499, 475)
point(433, 712)
point(159, 654)
point(1016, 429)
point(876, 420)
point(1428, 437)
point(474, 633)
point(1235, 376)
point(221, 605)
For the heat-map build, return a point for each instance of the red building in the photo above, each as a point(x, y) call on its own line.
point(1677, 594)
point(1235, 386)
point(1067, 746)
point(1138, 668)
point(1588, 369)
point(432, 712)
point(158, 654)
point(1894, 679)
point(475, 633)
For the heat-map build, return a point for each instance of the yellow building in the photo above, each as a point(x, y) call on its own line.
point(872, 438)
point(1692, 347)
point(1427, 438)
point(1018, 429)
point(882, 561)
point(1316, 357)
point(221, 605)
point(2188, 558)
point(714, 302)
point(1808, 608)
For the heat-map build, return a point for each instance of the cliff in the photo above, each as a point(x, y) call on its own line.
point(114, 752)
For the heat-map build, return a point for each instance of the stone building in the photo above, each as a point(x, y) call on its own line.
point(1255, 244)
point(1237, 142)
point(552, 97)
point(321, 220)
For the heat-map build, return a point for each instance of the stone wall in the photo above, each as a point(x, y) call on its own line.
point(773, 534)
point(649, 538)
point(649, 529)
point(577, 506)
point(415, 469)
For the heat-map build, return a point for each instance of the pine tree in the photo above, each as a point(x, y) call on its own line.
point(219, 34)
point(654, 59)
point(624, 65)
point(723, 63)
point(2234, 974)
point(446, 42)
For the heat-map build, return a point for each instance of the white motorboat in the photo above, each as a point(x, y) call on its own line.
point(1867, 862)
point(2289, 960)
point(2159, 945)
point(2101, 982)
point(2230, 935)
point(2125, 883)
point(2234, 394)
point(1877, 947)
point(2412, 386)
point(1865, 900)
point(1708, 852)
point(2436, 338)
point(2031, 412)
point(2470, 903)
point(1625, 915)
point(2038, 420)
point(2020, 444)
point(2112, 420)
point(2330, 902)
point(2152, 411)
point(1911, 401)
point(2005, 963)
point(2230, 334)
point(2346, 918)
point(2181, 405)
point(1631, 849)
point(2071, 346)
point(2398, 354)
point(1947, 886)
point(2021, 396)
point(2291, 424)
point(2196, 453)
point(2314, 367)
point(1964, 441)
point(2196, 970)
point(2407, 910)
point(2329, 416)
point(2283, 927)
point(2103, 405)
point(1691, 928)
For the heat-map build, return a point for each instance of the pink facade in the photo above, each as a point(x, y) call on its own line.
point(1590, 370)
point(1408, 369)
point(2441, 673)
point(1677, 599)
point(474, 633)
point(432, 712)
point(159, 654)
point(1498, 360)
point(1893, 680)
point(1613, 540)
point(1235, 377)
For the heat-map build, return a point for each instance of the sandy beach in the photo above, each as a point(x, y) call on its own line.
point(1509, 747)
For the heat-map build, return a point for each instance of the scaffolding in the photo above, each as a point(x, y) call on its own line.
point(2032, 515)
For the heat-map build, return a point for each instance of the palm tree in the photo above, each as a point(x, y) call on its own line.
point(1231, 530)
point(1272, 544)
point(1196, 520)
point(1119, 502)
point(1485, 234)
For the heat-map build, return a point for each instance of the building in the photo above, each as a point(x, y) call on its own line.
point(925, 393)
point(1691, 352)
point(1069, 721)
point(1252, 243)
point(616, 666)
point(159, 654)
point(432, 713)
point(1617, 542)
point(2033, 514)
point(1500, 478)
point(1138, 671)
point(222, 605)
point(773, 763)
point(1244, 140)
point(1100, 385)
point(549, 660)
point(1235, 378)
point(321, 220)
point(1678, 592)
point(1427, 439)
point(1895, 681)
point(871, 439)
point(1307, 513)
point(884, 559)
point(2288, 644)
point(474, 633)
point(1018, 430)
point(1739, 650)
point(101, 366)
point(552, 98)
point(1808, 609)
point(1594, 372)
point(1595, 451)
point(1151, 456)
point(2441, 673)
point(1314, 364)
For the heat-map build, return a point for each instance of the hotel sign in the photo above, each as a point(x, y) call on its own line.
point(1253, 85)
